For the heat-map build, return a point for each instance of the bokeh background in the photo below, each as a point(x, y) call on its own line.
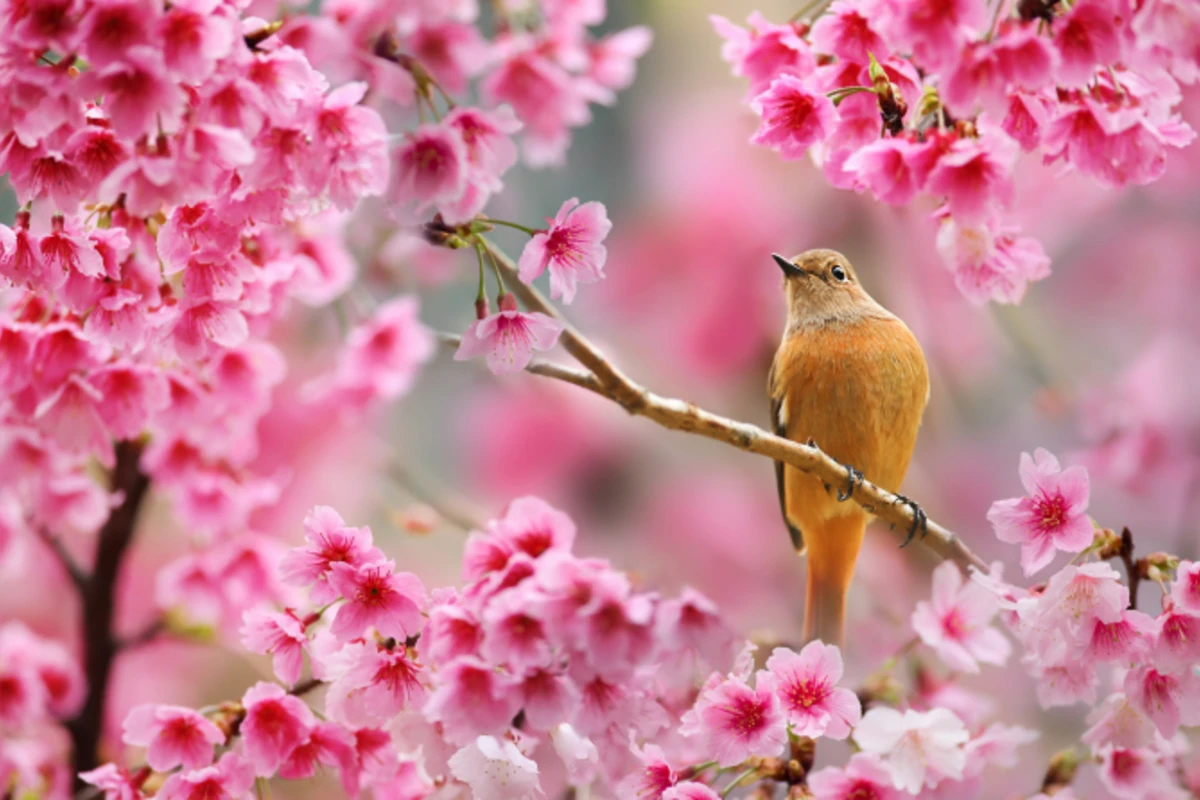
point(1100, 364)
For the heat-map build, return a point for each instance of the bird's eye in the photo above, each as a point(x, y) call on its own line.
point(839, 274)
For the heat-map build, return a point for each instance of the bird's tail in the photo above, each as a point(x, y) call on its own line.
point(832, 552)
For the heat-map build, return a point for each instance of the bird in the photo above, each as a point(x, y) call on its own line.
point(850, 378)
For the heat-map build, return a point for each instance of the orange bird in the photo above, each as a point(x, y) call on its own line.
point(849, 377)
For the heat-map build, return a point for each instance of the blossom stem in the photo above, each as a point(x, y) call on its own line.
point(838, 95)
point(508, 224)
point(481, 295)
point(738, 781)
point(1000, 4)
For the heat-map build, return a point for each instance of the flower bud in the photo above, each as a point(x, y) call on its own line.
point(508, 302)
point(481, 308)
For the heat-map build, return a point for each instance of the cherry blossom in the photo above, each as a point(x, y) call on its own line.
point(955, 622)
point(1051, 517)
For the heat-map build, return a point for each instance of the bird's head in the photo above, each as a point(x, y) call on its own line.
point(821, 286)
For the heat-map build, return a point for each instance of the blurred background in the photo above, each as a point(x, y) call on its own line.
point(1100, 364)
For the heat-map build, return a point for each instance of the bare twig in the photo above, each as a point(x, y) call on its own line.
point(456, 510)
point(687, 417)
point(146, 635)
point(78, 577)
point(1131, 566)
point(580, 378)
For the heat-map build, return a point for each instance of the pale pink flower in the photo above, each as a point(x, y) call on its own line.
point(1125, 640)
point(280, 634)
point(275, 724)
point(1066, 684)
point(1132, 772)
point(934, 29)
point(795, 116)
point(172, 736)
point(487, 136)
point(377, 684)
point(1052, 515)
point(975, 175)
point(1177, 647)
point(208, 326)
point(1167, 699)
point(131, 395)
point(1185, 590)
point(514, 632)
point(376, 597)
point(532, 526)
point(864, 777)
point(115, 782)
point(844, 31)
point(690, 790)
point(956, 622)
point(655, 776)
point(496, 770)
point(67, 249)
point(71, 417)
point(1086, 38)
point(431, 166)
point(548, 697)
point(1118, 722)
point(231, 778)
point(451, 51)
point(330, 745)
point(763, 52)
point(329, 541)
point(996, 746)
point(384, 353)
point(991, 262)
point(195, 37)
point(1026, 118)
point(612, 60)
point(806, 685)
point(472, 699)
point(578, 753)
point(453, 631)
point(893, 168)
point(571, 249)
point(138, 93)
point(921, 749)
point(733, 721)
point(693, 621)
point(508, 337)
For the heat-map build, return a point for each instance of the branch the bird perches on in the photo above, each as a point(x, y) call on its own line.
point(604, 378)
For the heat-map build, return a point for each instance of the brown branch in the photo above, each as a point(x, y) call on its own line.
point(146, 635)
point(98, 604)
point(576, 377)
point(687, 417)
point(1131, 566)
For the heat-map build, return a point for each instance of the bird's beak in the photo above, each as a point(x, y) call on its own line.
point(789, 269)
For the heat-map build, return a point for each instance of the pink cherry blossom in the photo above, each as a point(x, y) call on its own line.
point(280, 634)
point(376, 597)
point(578, 753)
point(1086, 38)
point(1132, 772)
point(229, 779)
point(690, 790)
point(329, 541)
point(431, 166)
point(276, 723)
point(1051, 517)
point(115, 782)
point(956, 622)
point(374, 683)
point(496, 769)
point(329, 745)
point(845, 32)
point(173, 735)
point(571, 249)
point(733, 721)
point(383, 355)
point(806, 684)
point(654, 777)
point(975, 176)
point(1118, 722)
point(991, 262)
point(894, 169)
point(508, 337)
point(1177, 647)
point(472, 699)
point(1125, 640)
point(514, 633)
point(920, 749)
point(794, 116)
point(765, 51)
point(1185, 590)
point(1169, 700)
point(864, 776)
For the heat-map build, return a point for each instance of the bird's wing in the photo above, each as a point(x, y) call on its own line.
point(779, 426)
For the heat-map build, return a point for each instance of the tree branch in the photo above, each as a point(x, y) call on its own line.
point(452, 508)
point(607, 380)
point(98, 604)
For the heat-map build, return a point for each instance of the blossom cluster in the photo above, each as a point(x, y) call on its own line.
point(543, 664)
point(909, 98)
point(1079, 631)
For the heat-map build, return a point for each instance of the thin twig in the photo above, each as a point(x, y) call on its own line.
point(687, 417)
point(584, 380)
point(1131, 566)
point(146, 635)
point(454, 509)
point(78, 577)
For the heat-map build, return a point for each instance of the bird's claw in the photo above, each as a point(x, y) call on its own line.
point(853, 477)
point(920, 519)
